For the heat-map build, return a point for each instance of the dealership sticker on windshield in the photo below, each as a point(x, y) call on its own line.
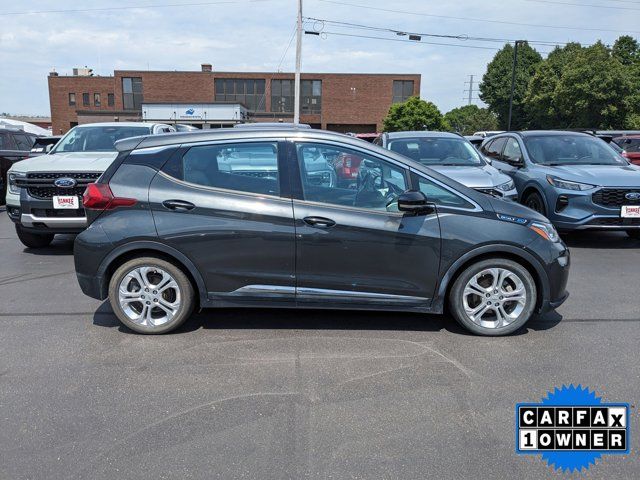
point(66, 201)
point(571, 428)
point(630, 211)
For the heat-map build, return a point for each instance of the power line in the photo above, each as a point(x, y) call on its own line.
point(611, 7)
point(411, 41)
point(472, 19)
point(462, 37)
point(130, 7)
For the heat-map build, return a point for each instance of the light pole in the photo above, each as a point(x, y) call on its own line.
point(296, 99)
point(513, 80)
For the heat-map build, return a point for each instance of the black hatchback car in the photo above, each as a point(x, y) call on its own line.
point(250, 217)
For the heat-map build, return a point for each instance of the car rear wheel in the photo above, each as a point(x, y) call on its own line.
point(535, 202)
point(33, 240)
point(635, 234)
point(493, 297)
point(150, 295)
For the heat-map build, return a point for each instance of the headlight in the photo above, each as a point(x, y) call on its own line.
point(505, 187)
point(13, 188)
point(546, 231)
point(567, 184)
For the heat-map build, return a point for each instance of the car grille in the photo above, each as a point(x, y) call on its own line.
point(616, 222)
point(256, 174)
point(50, 212)
point(40, 185)
point(614, 197)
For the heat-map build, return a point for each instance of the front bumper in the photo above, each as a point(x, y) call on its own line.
point(39, 215)
point(569, 210)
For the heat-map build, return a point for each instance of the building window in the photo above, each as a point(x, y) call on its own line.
point(250, 92)
point(72, 99)
point(132, 93)
point(85, 99)
point(402, 90)
point(96, 99)
point(311, 96)
point(282, 96)
point(111, 100)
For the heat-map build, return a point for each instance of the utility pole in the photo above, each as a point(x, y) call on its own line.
point(296, 107)
point(470, 88)
point(513, 80)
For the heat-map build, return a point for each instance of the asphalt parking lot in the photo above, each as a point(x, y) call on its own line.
point(297, 394)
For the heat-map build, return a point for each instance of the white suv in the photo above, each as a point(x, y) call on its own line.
point(44, 194)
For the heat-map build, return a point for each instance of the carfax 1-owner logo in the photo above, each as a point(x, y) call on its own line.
point(571, 428)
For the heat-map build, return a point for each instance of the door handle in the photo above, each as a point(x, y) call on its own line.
point(178, 205)
point(320, 222)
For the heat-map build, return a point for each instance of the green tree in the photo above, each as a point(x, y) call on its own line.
point(541, 93)
point(495, 88)
point(626, 50)
point(594, 90)
point(414, 114)
point(471, 118)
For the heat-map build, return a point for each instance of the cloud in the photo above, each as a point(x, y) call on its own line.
point(253, 36)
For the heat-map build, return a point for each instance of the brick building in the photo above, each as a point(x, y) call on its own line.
point(343, 102)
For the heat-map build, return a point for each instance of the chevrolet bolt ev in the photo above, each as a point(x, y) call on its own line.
point(251, 217)
point(575, 179)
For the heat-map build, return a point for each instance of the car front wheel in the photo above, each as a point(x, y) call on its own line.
point(150, 295)
point(33, 240)
point(535, 202)
point(493, 297)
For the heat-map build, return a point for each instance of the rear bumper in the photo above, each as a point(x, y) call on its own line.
point(91, 285)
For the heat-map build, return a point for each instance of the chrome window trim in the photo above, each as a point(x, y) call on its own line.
point(346, 207)
point(324, 293)
point(224, 190)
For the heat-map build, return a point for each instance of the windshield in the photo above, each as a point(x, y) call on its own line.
point(558, 150)
point(97, 139)
point(438, 151)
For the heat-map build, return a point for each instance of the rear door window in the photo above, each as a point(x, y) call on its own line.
point(493, 149)
point(23, 142)
point(242, 167)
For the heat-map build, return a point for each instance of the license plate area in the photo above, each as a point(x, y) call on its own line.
point(66, 202)
point(630, 211)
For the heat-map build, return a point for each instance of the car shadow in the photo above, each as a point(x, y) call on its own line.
point(600, 240)
point(61, 245)
point(312, 319)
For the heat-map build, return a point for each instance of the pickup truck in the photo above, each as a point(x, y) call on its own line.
point(15, 145)
point(44, 193)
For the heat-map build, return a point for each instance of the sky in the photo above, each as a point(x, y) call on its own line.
point(253, 35)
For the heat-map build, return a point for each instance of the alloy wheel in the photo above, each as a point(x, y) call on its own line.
point(149, 296)
point(494, 298)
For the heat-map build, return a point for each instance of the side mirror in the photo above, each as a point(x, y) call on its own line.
point(413, 201)
point(487, 159)
point(48, 148)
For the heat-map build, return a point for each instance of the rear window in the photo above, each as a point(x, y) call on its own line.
point(438, 151)
point(243, 167)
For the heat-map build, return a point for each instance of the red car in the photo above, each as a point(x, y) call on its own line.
point(630, 147)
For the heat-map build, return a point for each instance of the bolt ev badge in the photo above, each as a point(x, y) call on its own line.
point(65, 182)
point(632, 196)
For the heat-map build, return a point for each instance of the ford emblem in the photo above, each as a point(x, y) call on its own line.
point(65, 182)
point(632, 196)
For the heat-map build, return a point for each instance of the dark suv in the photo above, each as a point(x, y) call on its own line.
point(15, 145)
point(241, 217)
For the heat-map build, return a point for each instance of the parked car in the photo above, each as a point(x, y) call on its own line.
point(44, 193)
point(15, 144)
point(43, 145)
point(453, 156)
point(574, 179)
point(630, 146)
point(487, 133)
point(172, 228)
point(272, 125)
point(180, 127)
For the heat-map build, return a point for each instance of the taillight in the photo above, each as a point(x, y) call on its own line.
point(98, 196)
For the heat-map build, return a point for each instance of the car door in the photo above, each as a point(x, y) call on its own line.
point(224, 205)
point(353, 246)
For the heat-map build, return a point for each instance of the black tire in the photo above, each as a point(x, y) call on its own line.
point(456, 297)
point(186, 292)
point(635, 234)
point(33, 240)
point(535, 202)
